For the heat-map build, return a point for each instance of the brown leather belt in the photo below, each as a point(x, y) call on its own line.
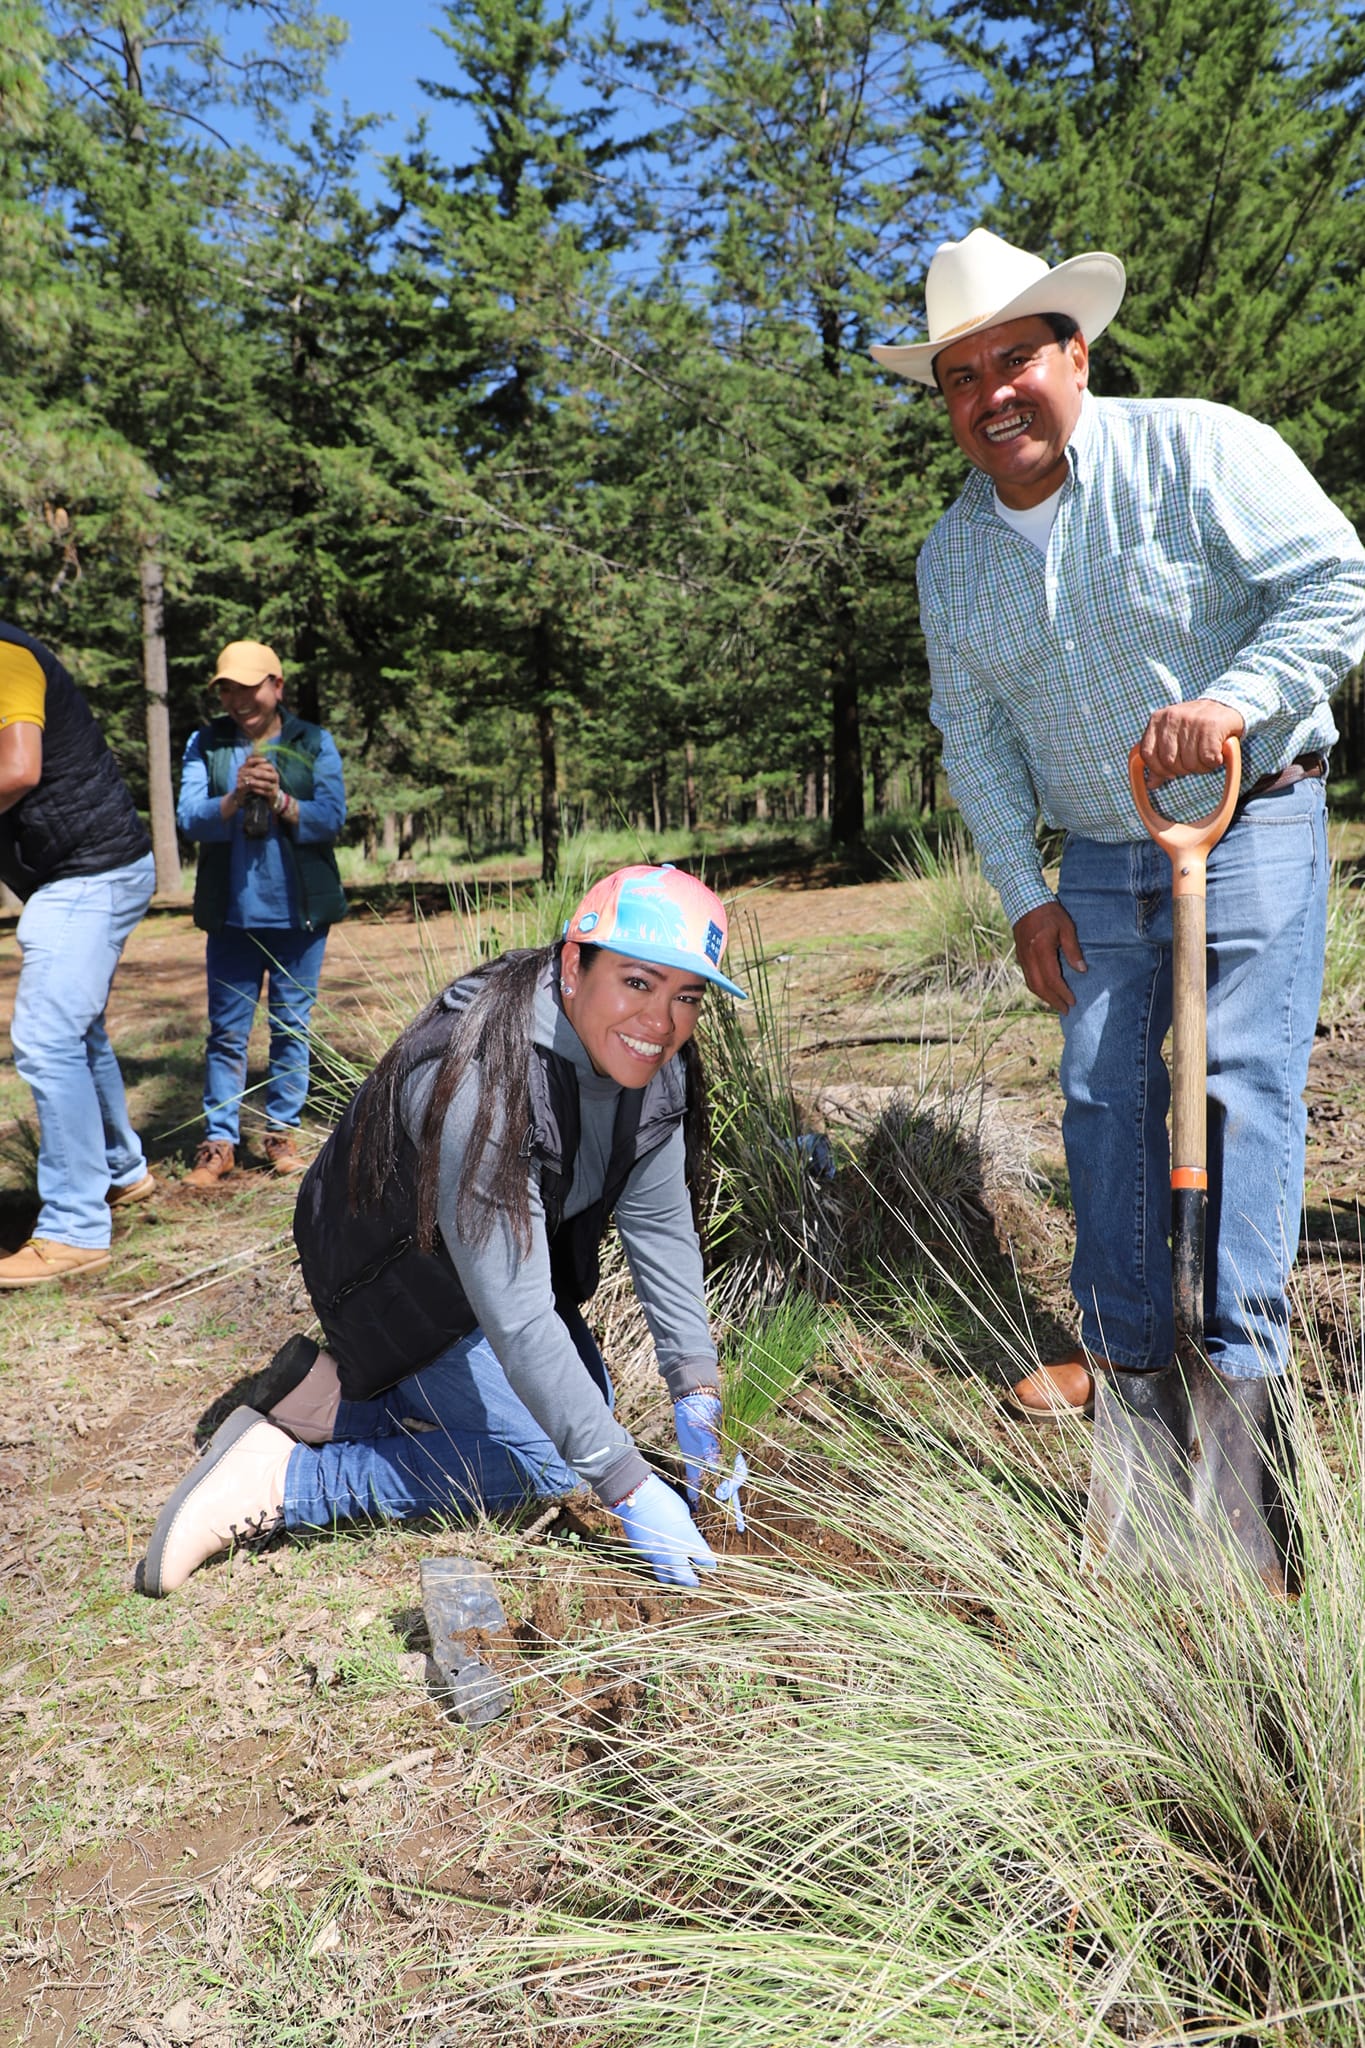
point(1307, 768)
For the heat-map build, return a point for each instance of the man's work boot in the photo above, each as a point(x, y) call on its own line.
point(132, 1191)
point(233, 1496)
point(213, 1162)
point(283, 1153)
point(42, 1260)
point(1054, 1391)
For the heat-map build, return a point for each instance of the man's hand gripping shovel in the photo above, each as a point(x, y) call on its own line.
point(1183, 1463)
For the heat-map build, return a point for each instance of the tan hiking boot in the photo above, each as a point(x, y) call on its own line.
point(1065, 1388)
point(282, 1152)
point(132, 1191)
point(42, 1260)
point(213, 1161)
point(233, 1496)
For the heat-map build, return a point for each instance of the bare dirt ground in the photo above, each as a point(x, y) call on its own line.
point(251, 1785)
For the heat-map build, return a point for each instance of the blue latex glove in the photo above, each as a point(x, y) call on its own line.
point(727, 1493)
point(659, 1527)
point(696, 1418)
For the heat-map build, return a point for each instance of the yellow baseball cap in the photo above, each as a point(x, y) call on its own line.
point(247, 661)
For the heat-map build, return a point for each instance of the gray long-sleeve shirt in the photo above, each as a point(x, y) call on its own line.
point(513, 1297)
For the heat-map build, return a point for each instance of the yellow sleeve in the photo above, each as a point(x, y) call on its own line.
point(23, 687)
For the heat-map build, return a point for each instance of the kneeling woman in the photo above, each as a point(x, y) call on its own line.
point(448, 1233)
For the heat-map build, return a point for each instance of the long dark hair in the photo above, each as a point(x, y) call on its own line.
point(494, 1029)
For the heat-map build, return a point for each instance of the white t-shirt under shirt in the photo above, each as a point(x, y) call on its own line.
point(1036, 522)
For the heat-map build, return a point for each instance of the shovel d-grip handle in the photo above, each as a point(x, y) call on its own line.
point(1188, 848)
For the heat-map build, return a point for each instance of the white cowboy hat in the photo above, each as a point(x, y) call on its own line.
point(982, 281)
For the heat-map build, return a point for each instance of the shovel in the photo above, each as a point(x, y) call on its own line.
point(1179, 1461)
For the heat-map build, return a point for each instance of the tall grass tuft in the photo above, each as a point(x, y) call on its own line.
point(775, 1217)
point(769, 1353)
point(961, 935)
point(919, 1780)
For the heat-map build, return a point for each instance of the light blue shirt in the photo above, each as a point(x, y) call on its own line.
point(1192, 556)
point(261, 885)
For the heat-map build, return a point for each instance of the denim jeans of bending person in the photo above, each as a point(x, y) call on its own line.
point(1267, 917)
point(239, 962)
point(450, 1439)
point(71, 935)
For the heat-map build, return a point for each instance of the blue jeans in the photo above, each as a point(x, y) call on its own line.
point(72, 934)
point(238, 962)
point(450, 1439)
point(1267, 922)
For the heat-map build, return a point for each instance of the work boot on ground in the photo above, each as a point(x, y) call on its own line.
point(1053, 1391)
point(233, 1496)
point(132, 1191)
point(282, 1152)
point(213, 1161)
point(42, 1260)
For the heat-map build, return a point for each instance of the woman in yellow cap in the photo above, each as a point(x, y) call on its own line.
point(449, 1234)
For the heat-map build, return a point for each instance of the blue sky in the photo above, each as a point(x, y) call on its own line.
point(390, 46)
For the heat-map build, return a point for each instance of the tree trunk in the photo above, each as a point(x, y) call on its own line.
point(690, 786)
point(388, 835)
point(659, 819)
point(928, 778)
point(847, 807)
point(880, 780)
point(549, 795)
point(160, 792)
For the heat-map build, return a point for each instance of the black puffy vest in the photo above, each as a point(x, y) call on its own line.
point(80, 820)
point(388, 1308)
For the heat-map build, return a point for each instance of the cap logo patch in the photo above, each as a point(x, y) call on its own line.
point(588, 921)
point(715, 939)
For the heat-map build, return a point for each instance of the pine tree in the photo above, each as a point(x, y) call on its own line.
point(505, 450)
point(816, 171)
point(148, 183)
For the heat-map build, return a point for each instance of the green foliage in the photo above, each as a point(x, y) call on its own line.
point(768, 1355)
point(1219, 148)
point(560, 475)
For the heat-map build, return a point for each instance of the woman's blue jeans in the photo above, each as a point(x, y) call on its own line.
point(238, 963)
point(450, 1439)
point(72, 934)
point(1267, 923)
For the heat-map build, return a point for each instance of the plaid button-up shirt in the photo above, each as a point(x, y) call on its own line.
point(1192, 556)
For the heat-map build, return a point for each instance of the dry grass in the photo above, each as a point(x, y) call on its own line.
point(682, 1832)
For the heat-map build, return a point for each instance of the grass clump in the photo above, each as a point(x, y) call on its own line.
point(768, 1355)
point(973, 1794)
point(961, 937)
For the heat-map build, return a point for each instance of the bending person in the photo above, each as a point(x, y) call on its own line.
point(448, 1234)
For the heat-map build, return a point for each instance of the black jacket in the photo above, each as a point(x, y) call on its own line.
point(80, 819)
point(387, 1308)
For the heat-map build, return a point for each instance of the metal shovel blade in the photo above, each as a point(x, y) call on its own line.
point(1137, 1509)
point(1190, 1477)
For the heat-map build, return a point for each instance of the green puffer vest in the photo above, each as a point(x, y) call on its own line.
point(317, 881)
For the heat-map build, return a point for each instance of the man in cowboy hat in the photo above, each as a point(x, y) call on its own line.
point(1162, 572)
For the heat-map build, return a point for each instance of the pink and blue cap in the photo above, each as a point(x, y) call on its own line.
point(659, 915)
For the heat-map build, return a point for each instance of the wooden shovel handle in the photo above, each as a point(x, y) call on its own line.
point(1188, 846)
